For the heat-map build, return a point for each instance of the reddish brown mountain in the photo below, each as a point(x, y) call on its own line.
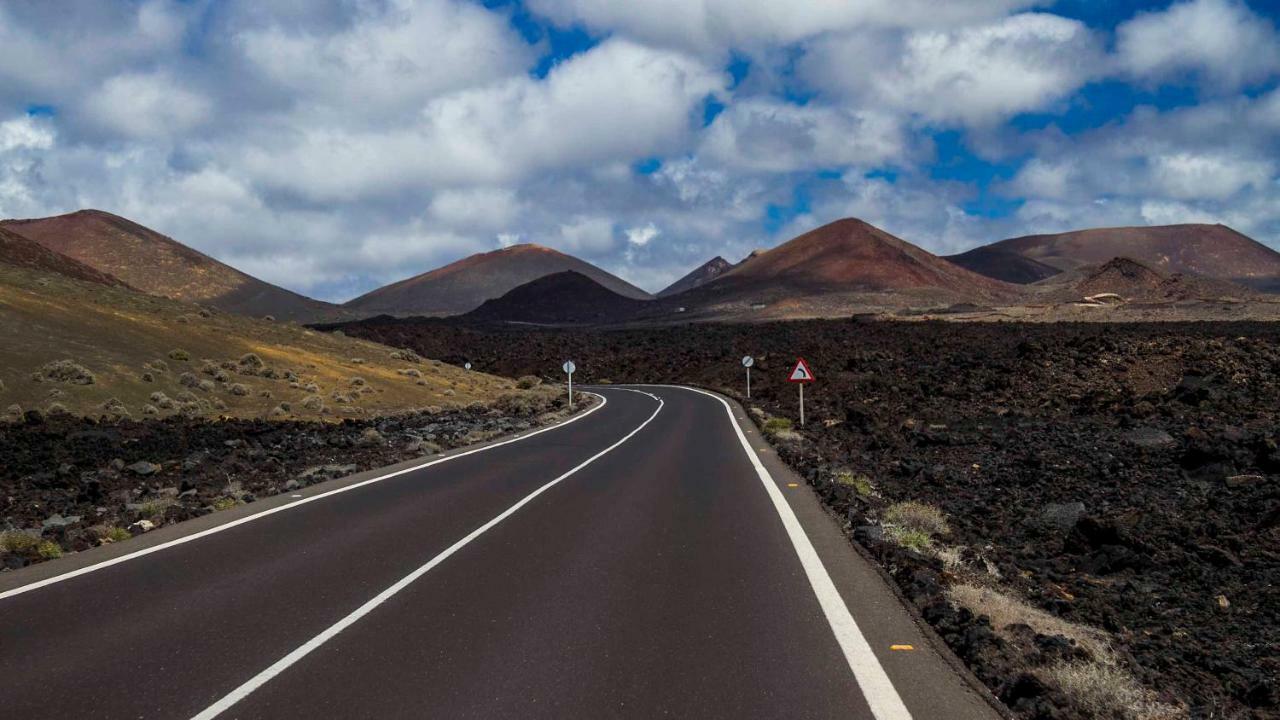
point(1003, 264)
point(1133, 281)
point(703, 274)
point(567, 297)
point(18, 250)
point(464, 285)
point(159, 265)
point(841, 267)
point(1213, 251)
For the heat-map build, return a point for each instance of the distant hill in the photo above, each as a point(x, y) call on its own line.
point(464, 285)
point(703, 274)
point(159, 265)
point(20, 251)
point(567, 297)
point(1133, 281)
point(839, 268)
point(1001, 263)
point(80, 344)
point(1212, 251)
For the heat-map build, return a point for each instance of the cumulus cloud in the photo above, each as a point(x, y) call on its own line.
point(394, 57)
point(145, 106)
point(717, 25)
point(974, 74)
point(619, 99)
point(1223, 39)
point(769, 135)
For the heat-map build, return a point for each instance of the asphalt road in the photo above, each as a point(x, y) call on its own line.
point(649, 559)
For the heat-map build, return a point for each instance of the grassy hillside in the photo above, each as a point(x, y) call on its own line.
point(95, 350)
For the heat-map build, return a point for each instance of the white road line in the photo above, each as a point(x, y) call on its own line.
point(234, 523)
point(283, 663)
point(876, 687)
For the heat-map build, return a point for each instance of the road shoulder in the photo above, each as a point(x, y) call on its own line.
point(885, 618)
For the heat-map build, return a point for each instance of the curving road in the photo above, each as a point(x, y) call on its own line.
point(649, 558)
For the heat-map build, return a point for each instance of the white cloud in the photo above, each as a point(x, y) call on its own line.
point(716, 25)
point(618, 100)
point(641, 236)
point(25, 132)
point(774, 136)
point(142, 106)
point(975, 74)
point(477, 208)
point(587, 235)
point(394, 57)
point(1223, 39)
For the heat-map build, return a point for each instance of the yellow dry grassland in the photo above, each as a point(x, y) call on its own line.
point(93, 350)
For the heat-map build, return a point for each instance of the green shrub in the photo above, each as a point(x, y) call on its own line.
point(777, 424)
point(116, 534)
point(914, 540)
point(179, 355)
point(150, 509)
point(15, 541)
point(224, 503)
point(861, 484)
point(49, 550)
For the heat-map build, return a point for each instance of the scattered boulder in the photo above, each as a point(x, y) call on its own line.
point(1149, 438)
point(371, 437)
point(1062, 516)
point(142, 526)
point(143, 468)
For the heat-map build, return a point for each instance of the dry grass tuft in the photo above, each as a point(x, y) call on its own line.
point(1005, 610)
point(1107, 691)
point(917, 517)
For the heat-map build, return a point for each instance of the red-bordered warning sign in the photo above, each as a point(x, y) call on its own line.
point(801, 373)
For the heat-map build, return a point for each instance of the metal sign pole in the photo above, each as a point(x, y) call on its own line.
point(748, 383)
point(801, 403)
point(568, 368)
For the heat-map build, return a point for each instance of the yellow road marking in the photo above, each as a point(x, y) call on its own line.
point(793, 484)
point(902, 647)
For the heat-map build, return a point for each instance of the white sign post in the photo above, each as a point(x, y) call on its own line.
point(801, 375)
point(569, 367)
point(747, 362)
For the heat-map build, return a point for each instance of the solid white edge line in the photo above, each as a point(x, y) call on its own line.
point(876, 687)
point(281, 508)
point(283, 663)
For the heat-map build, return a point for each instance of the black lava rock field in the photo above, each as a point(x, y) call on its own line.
point(1120, 477)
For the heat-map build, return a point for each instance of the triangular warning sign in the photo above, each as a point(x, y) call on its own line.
point(801, 373)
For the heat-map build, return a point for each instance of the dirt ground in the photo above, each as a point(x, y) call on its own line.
point(1123, 478)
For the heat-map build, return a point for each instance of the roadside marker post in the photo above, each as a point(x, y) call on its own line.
point(747, 362)
point(801, 375)
point(466, 366)
point(569, 367)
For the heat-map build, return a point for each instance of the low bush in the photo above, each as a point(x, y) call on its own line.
point(861, 484)
point(528, 382)
point(180, 355)
point(777, 424)
point(918, 517)
point(67, 371)
point(16, 541)
point(49, 550)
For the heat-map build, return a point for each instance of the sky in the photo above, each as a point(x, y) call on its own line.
point(332, 146)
